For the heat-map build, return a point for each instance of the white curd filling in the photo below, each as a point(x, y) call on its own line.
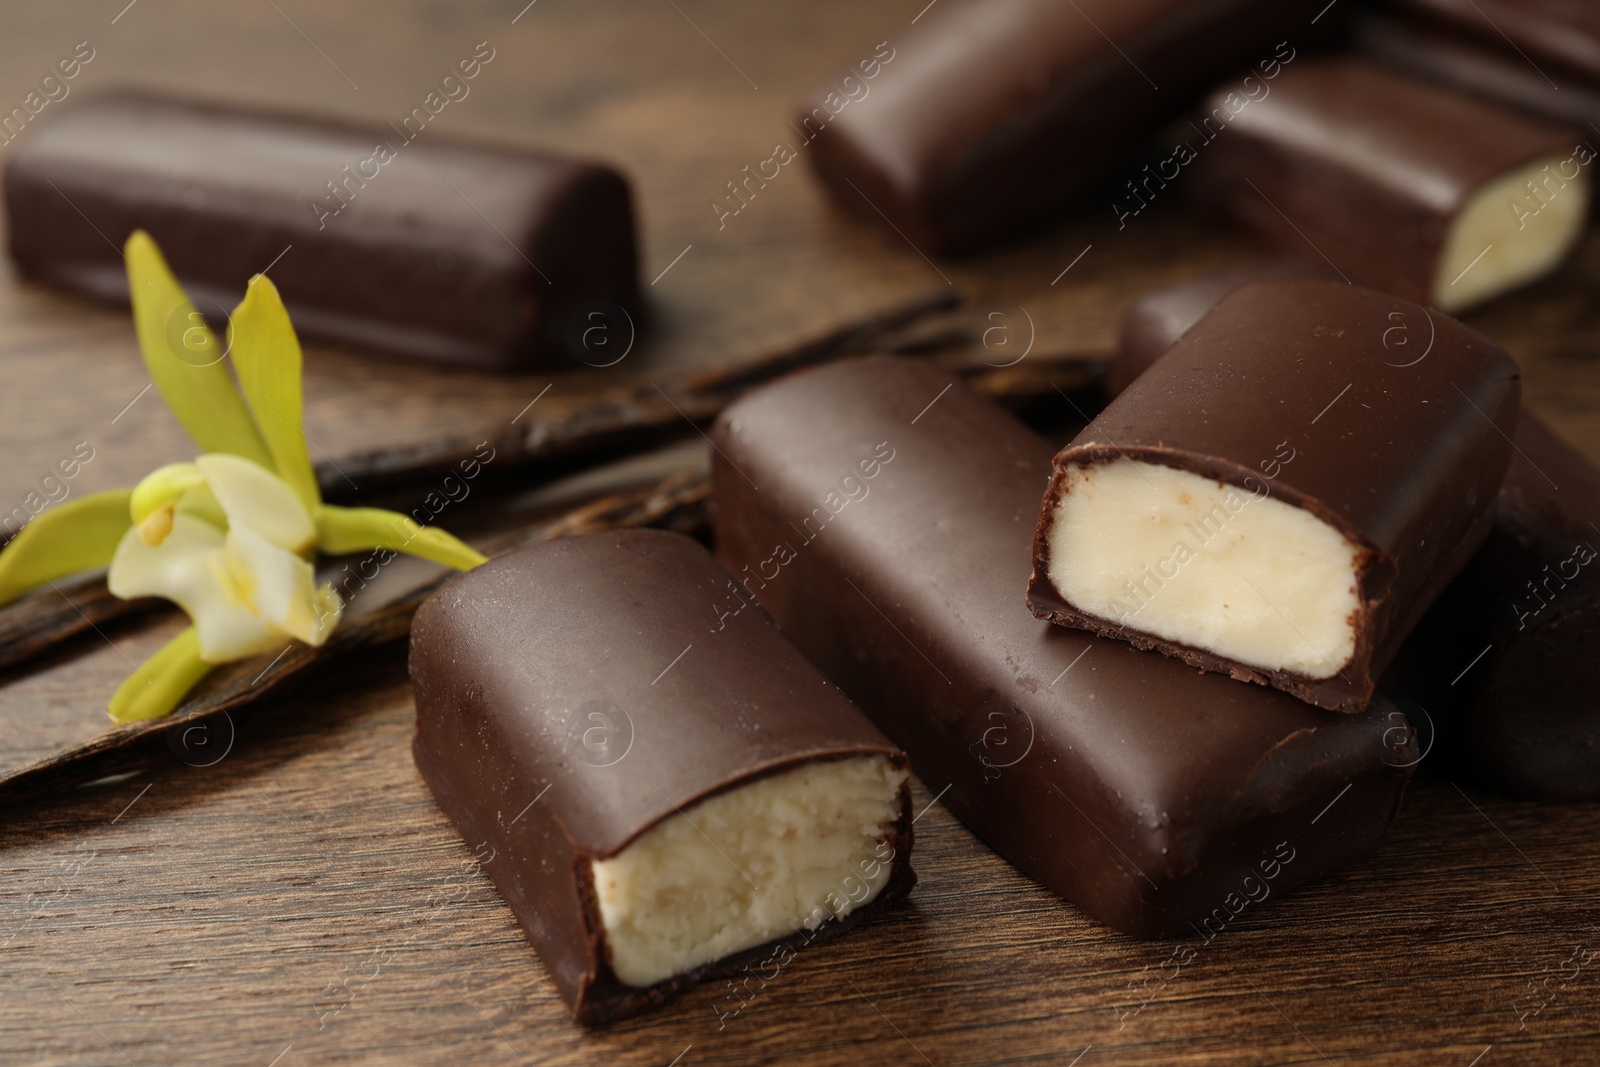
point(1513, 230)
point(762, 861)
point(1232, 571)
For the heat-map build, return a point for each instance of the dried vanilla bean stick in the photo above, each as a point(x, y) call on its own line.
point(568, 432)
point(53, 613)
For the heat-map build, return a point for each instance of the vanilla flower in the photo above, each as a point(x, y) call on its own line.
point(231, 537)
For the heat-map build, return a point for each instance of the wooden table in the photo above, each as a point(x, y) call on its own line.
point(298, 898)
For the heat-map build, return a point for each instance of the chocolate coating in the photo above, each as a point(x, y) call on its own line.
point(1155, 321)
point(1402, 453)
point(992, 112)
point(1138, 789)
point(507, 662)
point(407, 265)
point(1565, 33)
point(1356, 163)
point(1505, 661)
point(1479, 67)
point(1523, 720)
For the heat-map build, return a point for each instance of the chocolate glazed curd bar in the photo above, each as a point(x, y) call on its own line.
point(1502, 663)
point(992, 112)
point(1285, 492)
point(660, 798)
point(1155, 321)
point(432, 248)
point(1479, 68)
point(890, 537)
point(1505, 661)
point(1565, 33)
point(1399, 183)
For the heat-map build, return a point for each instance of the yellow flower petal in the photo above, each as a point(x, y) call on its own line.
point(74, 536)
point(160, 683)
point(344, 530)
point(266, 354)
point(190, 569)
point(184, 359)
point(255, 498)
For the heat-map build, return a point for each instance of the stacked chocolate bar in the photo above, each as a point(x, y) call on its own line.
point(1497, 665)
point(1137, 788)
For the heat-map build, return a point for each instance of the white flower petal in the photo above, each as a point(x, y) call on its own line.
point(139, 569)
point(189, 568)
point(255, 498)
point(280, 587)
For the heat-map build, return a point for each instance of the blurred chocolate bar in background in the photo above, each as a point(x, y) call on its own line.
point(1475, 66)
point(1560, 37)
point(989, 113)
point(1398, 183)
point(416, 246)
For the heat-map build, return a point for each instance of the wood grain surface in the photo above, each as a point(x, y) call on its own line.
point(285, 892)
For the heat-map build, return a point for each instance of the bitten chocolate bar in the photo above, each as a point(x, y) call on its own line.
point(890, 539)
point(1502, 663)
point(992, 112)
point(429, 248)
point(1398, 183)
point(1285, 492)
point(660, 796)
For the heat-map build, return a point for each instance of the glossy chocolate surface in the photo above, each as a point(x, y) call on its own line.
point(1399, 419)
point(441, 250)
point(573, 694)
point(1505, 662)
point(1562, 33)
point(992, 112)
point(1477, 66)
point(890, 538)
point(1361, 166)
point(1155, 321)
